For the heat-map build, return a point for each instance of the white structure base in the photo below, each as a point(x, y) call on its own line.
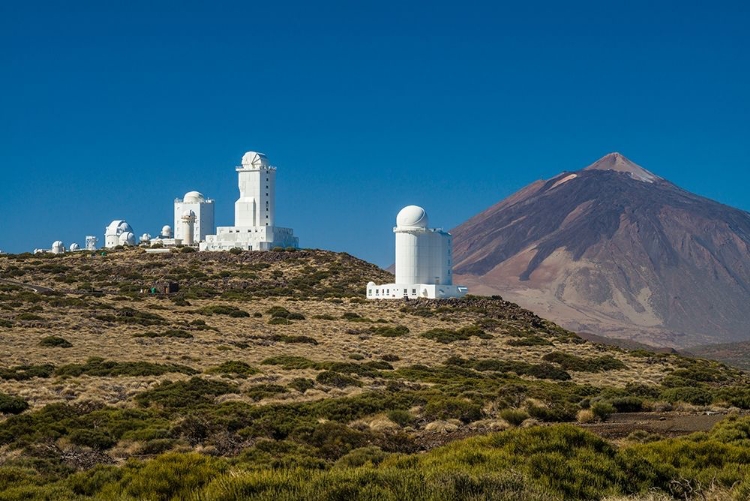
point(414, 291)
point(257, 238)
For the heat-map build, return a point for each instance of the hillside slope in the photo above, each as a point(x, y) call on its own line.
point(273, 366)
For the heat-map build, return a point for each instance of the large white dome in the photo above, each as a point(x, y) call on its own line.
point(254, 160)
point(412, 216)
point(193, 197)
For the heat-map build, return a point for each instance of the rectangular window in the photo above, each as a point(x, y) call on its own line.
point(414, 291)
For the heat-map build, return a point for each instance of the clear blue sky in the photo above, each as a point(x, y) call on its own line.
point(110, 110)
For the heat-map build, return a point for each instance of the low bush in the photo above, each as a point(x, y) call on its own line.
point(514, 416)
point(12, 405)
point(29, 316)
point(530, 341)
point(25, 372)
point(579, 364)
point(265, 391)
point(689, 394)
point(55, 342)
point(336, 379)
point(96, 366)
point(176, 333)
point(302, 384)
point(453, 408)
point(388, 331)
point(223, 309)
point(234, 367)
point(283, 338)
point(602, 410)
point(182, 395)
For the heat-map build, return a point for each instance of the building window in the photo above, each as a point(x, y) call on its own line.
point(414, 291)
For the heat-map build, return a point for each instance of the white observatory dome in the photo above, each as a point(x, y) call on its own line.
point(166, 231)
point(193, 197)
point(188, 214)
point(57, 247)
point(145, 238)
point(127, 238)
point(254, 160)
point(412, 216)
point(74, 247)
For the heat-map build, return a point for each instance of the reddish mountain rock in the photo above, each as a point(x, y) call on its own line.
point(617, 251)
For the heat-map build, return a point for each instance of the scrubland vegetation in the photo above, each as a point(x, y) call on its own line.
point(267, 377)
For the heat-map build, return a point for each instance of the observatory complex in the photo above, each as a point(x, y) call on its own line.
point(423, 261)
point(254, 212)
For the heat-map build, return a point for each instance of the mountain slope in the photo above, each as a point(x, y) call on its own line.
point(618, 251)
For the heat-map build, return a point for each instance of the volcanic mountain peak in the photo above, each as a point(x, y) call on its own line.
point(619, 163)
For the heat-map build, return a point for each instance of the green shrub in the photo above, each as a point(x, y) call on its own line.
point(176, 333)
point(6, 323)
point(235, 251)
point(185, 394)
point(530, 341)
point(627, 404)
point(55, 341)
point(603, 410)
point(279, 321)
point(690, 394)
point(336, 379)
point(387, 331)
point(357, 458)
point(401, 417)
point(235, 367)
point(579, 364)
point(453, 408)
point(96, 366)
point(265, 390)
point(283, 338)
point(29, 316)
point(12, 405)
point(446, 336)
point(290, 362)
point(223, 309)
point(302, 384)
point(25, 372)
point(514, 416)
point(390, 357)
point(96, 439)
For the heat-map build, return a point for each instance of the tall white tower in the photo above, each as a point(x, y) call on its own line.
point(254, 212)
point(423, 261)
point(188, 227)
point(257, 180)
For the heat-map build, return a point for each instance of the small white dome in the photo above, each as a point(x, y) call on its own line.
point(188, 214)
point(254, 160)
point(166, 231)
point(412, 216)
point(145, 237)
point(193, 197)
point(57, 247)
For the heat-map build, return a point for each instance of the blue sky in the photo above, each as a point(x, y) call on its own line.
point(110, 110)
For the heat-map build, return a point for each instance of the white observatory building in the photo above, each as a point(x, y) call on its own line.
point(118, 233)
point(203, 210)
point(254, 212)
point(423, 261)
